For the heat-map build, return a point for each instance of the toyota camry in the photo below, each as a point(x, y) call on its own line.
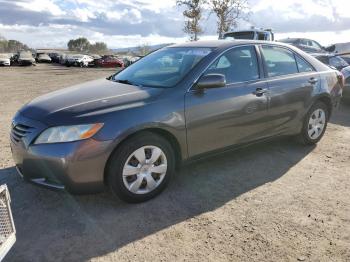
point(130, 131)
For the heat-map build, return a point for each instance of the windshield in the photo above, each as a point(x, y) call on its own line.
point(287, 41)
point(164, 68)
point(241, 35)
point(26, 55)
point(337, 61)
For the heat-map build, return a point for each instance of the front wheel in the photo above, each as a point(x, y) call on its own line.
point(141, 167)
point(315, 124)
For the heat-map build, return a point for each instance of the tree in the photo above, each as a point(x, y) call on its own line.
point(83, 45)
point(80, 44)
point(228, 12)
point(14, 46)
point(143, 50)
point(3, 46)
point(193, 14)
point(98, 47)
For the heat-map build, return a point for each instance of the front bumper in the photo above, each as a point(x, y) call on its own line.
point(44, 61)
point(77, 167)
point(4, 63)
point(25, 62)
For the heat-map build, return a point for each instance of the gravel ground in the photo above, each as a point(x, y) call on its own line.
point(277, 201)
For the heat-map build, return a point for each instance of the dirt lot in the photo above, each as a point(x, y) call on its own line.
point(270, 202)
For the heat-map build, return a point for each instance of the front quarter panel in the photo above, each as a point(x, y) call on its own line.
point(165, 113)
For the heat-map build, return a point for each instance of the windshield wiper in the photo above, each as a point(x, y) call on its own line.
point(124, 81)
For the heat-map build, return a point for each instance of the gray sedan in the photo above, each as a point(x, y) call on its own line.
point(130, 131)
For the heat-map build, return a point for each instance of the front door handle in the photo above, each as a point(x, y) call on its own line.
point(313, 80)
point(260, 91)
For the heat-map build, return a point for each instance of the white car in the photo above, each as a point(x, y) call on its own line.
point(79, 60)
point(339, 49)
point(5, 60)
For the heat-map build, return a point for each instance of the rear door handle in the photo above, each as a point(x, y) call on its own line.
point(260, 91)
point(313, 80)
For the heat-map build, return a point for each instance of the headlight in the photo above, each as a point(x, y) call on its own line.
point(61, 134)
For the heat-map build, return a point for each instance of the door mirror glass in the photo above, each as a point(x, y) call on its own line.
point(211, 81)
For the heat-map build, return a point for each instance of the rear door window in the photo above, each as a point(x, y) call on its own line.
point(303, 66)
point(279, 61)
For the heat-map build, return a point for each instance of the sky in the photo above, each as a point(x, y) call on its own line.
point(128, 23)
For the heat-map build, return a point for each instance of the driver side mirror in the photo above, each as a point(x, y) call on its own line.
point(211, 81)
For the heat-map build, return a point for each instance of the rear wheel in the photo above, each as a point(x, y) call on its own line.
point(141, 167)
point(315, 124)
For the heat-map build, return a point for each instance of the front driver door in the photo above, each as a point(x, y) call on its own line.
point(221, 117)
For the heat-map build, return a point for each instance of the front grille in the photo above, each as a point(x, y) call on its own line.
point(19, 131)
point(6, 224)
point(7, 227)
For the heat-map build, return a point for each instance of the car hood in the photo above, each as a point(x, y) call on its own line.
point(4, 59)
point(44, 58)
point(91, 99)
point(26, 59)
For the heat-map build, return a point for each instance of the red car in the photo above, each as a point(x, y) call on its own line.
point(109, 61)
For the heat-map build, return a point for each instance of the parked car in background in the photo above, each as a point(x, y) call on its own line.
point(341, 65)
point(130, 131)
point(109, 61)
point(95, 58)
point(346, 58)
point(346, 91)
point(43, 58)
point(55, 57)
point(134, 59)
point(25, 58)
point(332, 60)
point(253, 34)
point(79, 60)
point(339, 49)
point(307, 45)
point(63, 59)
point(5, 60)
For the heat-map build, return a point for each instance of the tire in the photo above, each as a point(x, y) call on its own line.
point(122, 185)
point(309, 136)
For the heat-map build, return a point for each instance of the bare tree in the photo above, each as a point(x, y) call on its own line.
point(228, 12)
point(143, 50)
point(98, 47)
point(193, 14)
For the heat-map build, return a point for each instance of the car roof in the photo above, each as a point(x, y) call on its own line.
point(250, 30)
point(323, 55)
point(222, 43)
point(295, 39)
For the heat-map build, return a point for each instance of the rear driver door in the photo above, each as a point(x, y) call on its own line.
point(292, 81)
